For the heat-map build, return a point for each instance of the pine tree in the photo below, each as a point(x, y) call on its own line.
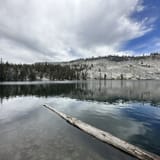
point(2, 75)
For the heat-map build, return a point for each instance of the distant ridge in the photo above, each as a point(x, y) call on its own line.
point(110, 58)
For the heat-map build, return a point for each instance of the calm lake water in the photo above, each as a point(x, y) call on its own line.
point(129, 110)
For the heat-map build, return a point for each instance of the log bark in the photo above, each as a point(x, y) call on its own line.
point(107, 137)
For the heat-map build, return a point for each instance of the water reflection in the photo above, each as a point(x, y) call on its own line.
point(134, 122)
point(109, 91)
point(123, 108)
point(32, 132)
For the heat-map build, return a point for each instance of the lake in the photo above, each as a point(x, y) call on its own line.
point(129, 110)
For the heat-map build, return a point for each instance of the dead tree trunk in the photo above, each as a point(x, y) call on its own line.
point(107, 137)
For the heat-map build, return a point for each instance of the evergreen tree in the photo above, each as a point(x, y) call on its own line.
point(2, 73)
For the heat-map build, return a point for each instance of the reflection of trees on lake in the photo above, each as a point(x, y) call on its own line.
point(107, 91)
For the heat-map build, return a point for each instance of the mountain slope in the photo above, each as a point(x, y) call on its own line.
point(114, 67)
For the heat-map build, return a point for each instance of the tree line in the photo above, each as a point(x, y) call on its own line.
point(38, 71)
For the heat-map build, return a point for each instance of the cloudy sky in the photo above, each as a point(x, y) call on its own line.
point(60, 30)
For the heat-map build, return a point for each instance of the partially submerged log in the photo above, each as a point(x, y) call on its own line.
point(107, 137)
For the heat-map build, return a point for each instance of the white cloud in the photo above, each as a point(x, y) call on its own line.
point(153, 47)
point(140, 7)
point(54, 30)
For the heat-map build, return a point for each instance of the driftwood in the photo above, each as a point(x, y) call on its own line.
point(107, 137)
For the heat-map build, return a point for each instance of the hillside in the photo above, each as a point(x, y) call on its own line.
point(114, 67)
point(111, 67)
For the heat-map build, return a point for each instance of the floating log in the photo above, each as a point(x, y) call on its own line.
point(107, 137)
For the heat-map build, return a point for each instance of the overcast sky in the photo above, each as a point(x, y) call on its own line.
point(60, 30)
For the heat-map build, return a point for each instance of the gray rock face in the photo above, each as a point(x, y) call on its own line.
point(135, 68)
